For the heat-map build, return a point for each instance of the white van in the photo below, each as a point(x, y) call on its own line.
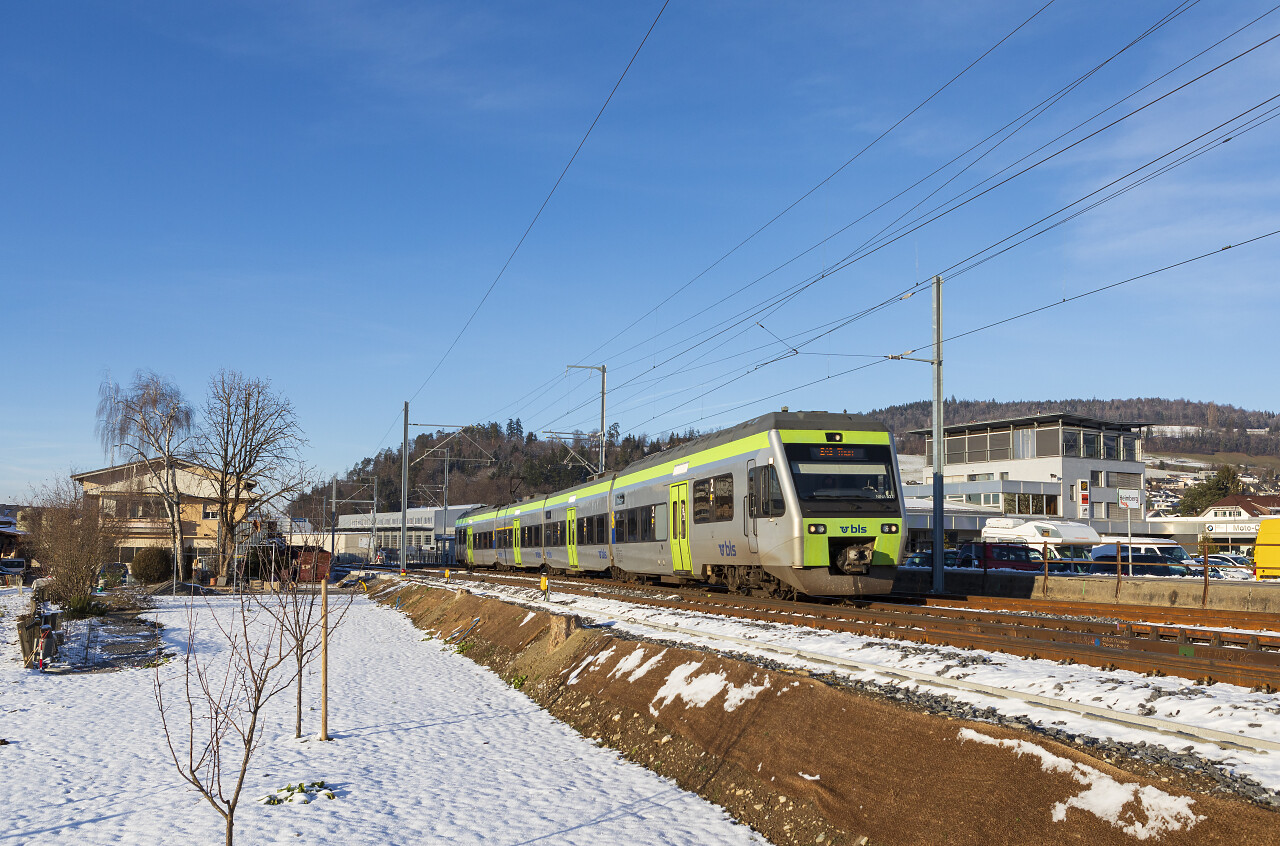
point(1060, 539)
point(1140, 546)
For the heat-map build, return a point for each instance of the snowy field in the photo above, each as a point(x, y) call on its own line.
point(429, 748)
point(1223, 707)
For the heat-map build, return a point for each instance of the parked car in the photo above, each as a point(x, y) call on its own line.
point(1140, 564)
point(1001, 556)
point(925, 559)
point(1069, 566)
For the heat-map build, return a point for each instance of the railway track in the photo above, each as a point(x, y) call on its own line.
point(1187, 647)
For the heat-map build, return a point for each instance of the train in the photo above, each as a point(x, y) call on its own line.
point(788, 503)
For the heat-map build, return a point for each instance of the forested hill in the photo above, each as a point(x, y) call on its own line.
point(494, 464)
point(1222, 428)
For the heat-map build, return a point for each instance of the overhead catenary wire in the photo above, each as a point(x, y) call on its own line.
point(852, 258)
point(1055, 304)
point(778, 299)
point(537, 214)
point(1253, 123)
point(1025, 117)
point(824, 181)
point(1033, 112)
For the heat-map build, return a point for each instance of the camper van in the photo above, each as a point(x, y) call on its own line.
point(1060, 539)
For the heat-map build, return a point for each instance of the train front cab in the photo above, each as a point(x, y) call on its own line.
point(826, 512)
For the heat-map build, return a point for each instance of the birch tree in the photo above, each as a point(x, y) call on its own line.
point(150, 423)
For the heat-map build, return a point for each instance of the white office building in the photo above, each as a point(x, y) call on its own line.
point(1063, 466)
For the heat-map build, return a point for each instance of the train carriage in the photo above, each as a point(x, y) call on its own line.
point(791, 501)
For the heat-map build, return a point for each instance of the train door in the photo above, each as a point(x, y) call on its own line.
point(571, 543)
point(749, 509)
point(515, 539)
point(679, 498)
point(471, 546)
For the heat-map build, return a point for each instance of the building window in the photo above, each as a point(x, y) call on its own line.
point(1032, 505)
point(1129, 448)
point(955, 449)
point(1071, 442)
point(1047, 442)
point(1091, 444)
point(1024, 443)
point(976, 447)
point(999, 449)
point(1110, 447)
point(210, 512)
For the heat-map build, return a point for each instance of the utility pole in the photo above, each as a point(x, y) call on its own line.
point(404, 491)
point(939, 445)
point(449, 558)
point(599, 367)
point(373, 522)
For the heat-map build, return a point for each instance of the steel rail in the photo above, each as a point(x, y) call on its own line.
point(1180, 731)
point(1095, 644)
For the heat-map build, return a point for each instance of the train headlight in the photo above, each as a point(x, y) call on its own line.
point(889, 528)
point(817, 529)
point(835, 437)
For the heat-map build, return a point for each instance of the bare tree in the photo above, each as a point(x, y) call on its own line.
point(250, 440)
point(297, 604)
point(71, 536)
point(296, 608)
point(215, 725)
point(150, 422)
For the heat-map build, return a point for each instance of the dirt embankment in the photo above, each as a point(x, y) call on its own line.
point(804, 762)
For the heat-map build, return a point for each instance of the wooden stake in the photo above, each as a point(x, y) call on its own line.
point(324, 658)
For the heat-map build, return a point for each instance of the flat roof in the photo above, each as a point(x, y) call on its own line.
point(1038, 420)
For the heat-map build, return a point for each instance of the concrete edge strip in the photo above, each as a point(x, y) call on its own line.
point(1169, 727)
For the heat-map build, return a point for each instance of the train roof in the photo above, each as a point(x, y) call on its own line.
point(819, 420)
point(813, 420)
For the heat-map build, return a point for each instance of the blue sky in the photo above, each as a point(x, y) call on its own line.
point(320, 193)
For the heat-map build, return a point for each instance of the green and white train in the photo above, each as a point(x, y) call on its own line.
point(809, 502)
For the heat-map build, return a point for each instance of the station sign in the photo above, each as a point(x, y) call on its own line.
point(1129, 498)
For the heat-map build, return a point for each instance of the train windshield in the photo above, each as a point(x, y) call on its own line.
point(842, 479)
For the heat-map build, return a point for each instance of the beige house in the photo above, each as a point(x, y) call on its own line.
point(129, 492)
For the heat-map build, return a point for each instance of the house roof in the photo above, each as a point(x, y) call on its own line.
point(180, 462)
point(1255, 505)
point(1038, 420)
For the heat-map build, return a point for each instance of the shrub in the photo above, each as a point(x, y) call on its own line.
point(83, 606)
point(153, 564)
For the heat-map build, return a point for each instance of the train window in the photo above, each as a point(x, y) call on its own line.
point(773, 493)
point(602, 529)
point(537, 536)
point(766, 492)
point(633, 520)
point(582, 530)
point(647, 528)
point(722, 498)
point(702, 501)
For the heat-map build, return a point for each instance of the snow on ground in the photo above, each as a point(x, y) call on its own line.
point(1223, 707)
point(429, 748)
point(1156, 812)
